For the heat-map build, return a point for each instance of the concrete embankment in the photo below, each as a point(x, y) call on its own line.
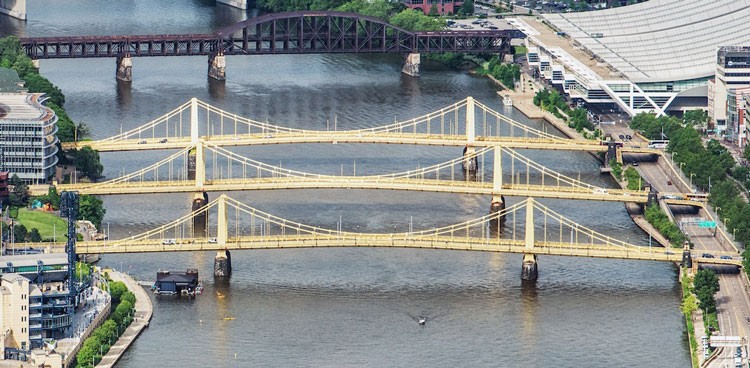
point(143, 312)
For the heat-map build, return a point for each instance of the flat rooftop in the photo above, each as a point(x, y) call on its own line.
point(660, 40)
point(21, 106)
point(549, 39)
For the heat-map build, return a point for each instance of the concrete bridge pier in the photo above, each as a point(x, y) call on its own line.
point(223, 260)
point(242, 4)
point(200, 199)
point(124, 71)
point(498, 200)
point(14, 8)
point(411, 64)
point(223, 263)
point(497, 205)
point(470, 164)
point(529, 272)
point(217, 66)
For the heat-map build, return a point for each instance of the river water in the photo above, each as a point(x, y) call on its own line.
point(351, 307)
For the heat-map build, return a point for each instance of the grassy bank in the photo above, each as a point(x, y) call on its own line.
point(47, 223)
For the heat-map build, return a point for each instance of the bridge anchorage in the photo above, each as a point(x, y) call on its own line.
point(231, 225)
point(301, 32)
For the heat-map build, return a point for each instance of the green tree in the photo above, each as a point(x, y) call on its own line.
point(467, 7)
point(434, 11)
point(413, 20)
point(124, 308)
point(85, 355)
point(34, 235)
point(706, 284)
point(91, 208)
point(116, 289)
point(19, 195)
point(376, 8)
point(689, 305)
point(87, 161)
point(19, 233)
point(128, 297)
point(696, 117)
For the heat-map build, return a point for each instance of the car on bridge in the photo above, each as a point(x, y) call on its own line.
point(169, 242)
point(707, 255)
point(726, 257)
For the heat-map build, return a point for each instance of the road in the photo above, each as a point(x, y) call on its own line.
point(733, 299)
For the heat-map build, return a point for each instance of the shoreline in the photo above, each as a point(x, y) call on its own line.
point(143, 313)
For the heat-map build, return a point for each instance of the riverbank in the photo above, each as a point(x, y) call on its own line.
point(143, 312)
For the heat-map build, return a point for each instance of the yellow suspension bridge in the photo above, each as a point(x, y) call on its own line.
point(226, 224)
point(527, 178)
point(454, 125)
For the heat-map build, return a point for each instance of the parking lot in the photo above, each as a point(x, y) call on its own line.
point(489, 23)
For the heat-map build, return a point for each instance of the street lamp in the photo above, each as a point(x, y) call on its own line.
point(691, 180)
point(733, 234)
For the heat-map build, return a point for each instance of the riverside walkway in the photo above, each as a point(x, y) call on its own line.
point(143, 311)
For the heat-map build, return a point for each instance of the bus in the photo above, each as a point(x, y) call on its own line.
point(659, 144)
point(698, 197)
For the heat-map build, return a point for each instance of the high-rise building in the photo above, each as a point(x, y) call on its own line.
point(731, 81)
point(27, 131)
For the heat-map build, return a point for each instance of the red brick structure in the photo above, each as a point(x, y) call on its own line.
point(443, 6)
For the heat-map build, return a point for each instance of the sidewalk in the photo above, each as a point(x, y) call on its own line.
point(143, 312)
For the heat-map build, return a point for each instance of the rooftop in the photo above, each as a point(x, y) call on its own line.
point(660, 40)
point(22, 106)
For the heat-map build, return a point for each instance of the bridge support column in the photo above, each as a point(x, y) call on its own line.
point(124, 71)
point(223, 260)
point(200, 167)
point(194, 134)
point(217, 67)
point(498, 201)
point(223, 263)
point(411, 64)
point(529, 272)
point(470, 164)
point(687, 259)
point(15, 9)
point(200, 199)
point(242, 4)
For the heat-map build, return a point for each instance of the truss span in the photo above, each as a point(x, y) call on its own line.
point(302, 32)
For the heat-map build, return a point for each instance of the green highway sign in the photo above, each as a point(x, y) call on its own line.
point(707, 224)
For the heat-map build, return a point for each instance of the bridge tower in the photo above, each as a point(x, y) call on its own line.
point(470, 165)
point(124, 68)
point(411, 64)
point(223, 259)
point(498, 200)
point(217, 66)
point(529, 271)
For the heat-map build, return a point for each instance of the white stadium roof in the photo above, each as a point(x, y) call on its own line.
point(660, 40)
